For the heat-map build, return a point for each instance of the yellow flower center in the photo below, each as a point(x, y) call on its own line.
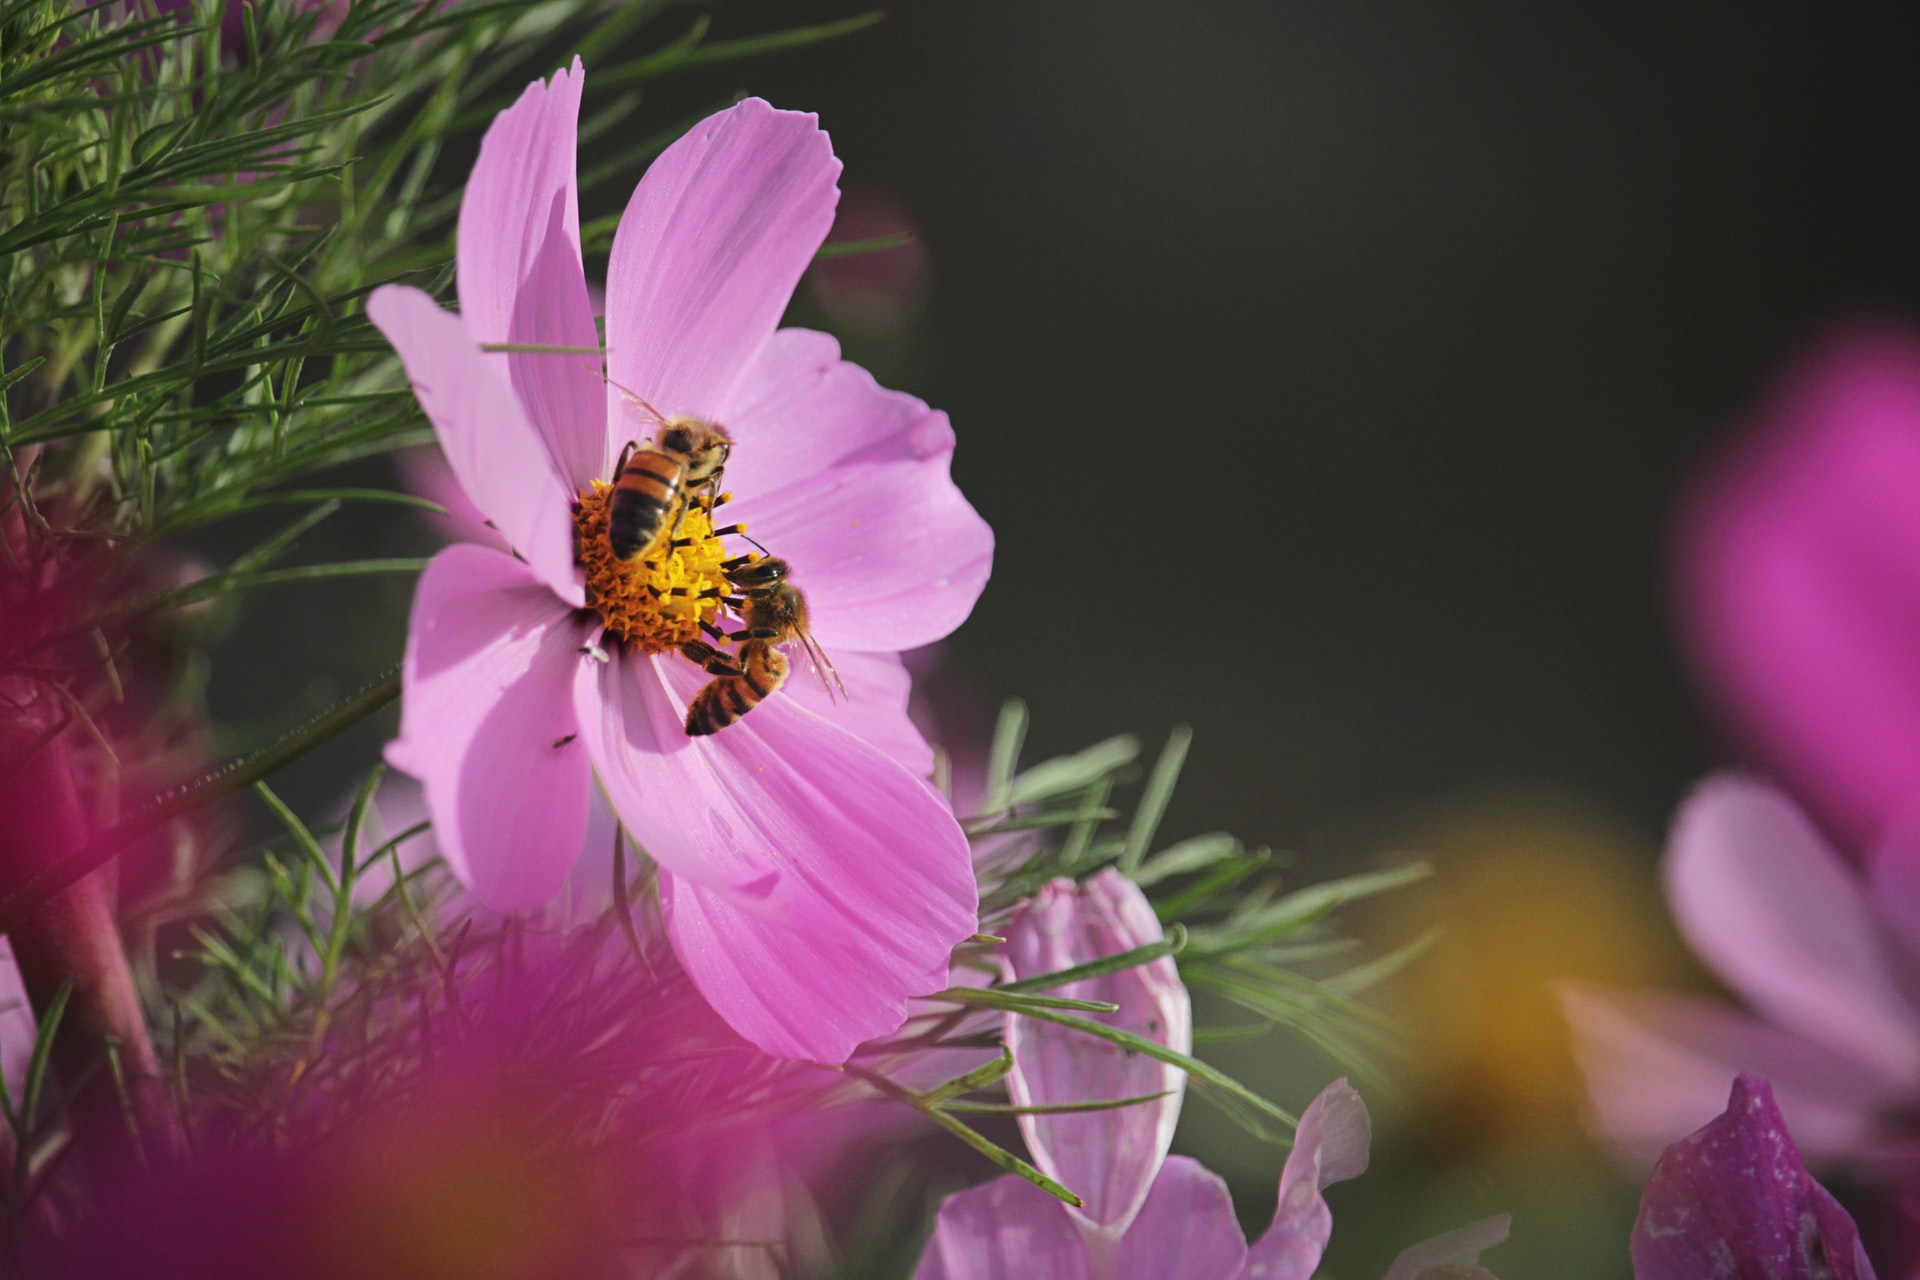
point(655, 601)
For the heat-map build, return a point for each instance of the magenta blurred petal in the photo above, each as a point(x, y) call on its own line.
point(708, 253)
point(1893, 887)
point(812, 884)
point(1733, 1200)
point(1762, 898)
point(487, 725)
point(1006, 1229)
point(1109, 1158)
point(519, 273)
point(1330, 1146)
point(1186, 1230)
point(495, 453)
point(1798, 583)
point(1452, 1255)
point(1657, 1067)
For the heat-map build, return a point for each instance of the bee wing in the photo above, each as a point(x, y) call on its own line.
point(633, 397)
point(821, 667)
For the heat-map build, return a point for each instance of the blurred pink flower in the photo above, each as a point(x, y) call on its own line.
point(1186, 1230)
point(812, 880)
point(1146, 1217)
point(542, 1108)
point(1829, 963)
point(1733, 1200)
point(1797, 580)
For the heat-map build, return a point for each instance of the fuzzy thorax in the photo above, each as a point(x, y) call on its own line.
point(657, 600)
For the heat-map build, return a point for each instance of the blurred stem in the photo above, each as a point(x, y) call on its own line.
point(23, 893)
point(73, 936)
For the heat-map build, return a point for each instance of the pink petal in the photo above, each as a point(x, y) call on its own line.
point(708, 252)
point(1330, 1146)
point(800, 410)
point(889, 555)
point(1186, 1230)
point(851, 483)
point(1734, 1201)
point(874, 708)
point(1109, 1158)
point(1006, 1230)
point(520, 277)
point(1798, 583)
point(1454, 1255)
point(812, 884)
point(1760, 896)
point(494, 451)
point(487, 725)
point(425, 473)
point(1657, 1068)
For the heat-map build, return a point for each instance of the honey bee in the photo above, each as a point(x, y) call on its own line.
point(653, 483)
point(774, 612)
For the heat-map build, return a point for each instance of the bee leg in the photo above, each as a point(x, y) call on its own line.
point(710, 659)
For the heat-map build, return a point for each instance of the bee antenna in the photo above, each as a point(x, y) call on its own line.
point(750, 538)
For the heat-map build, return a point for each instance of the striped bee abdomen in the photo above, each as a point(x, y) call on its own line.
point(644, 493)
point(725, 699)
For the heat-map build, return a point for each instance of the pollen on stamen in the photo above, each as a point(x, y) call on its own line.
point(662, 598)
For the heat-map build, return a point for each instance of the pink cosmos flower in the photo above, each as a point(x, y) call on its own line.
point(1186, 1230)
point(1829, 963)
point(812, 880)
point(1146, 1217)
point(1797, 580)
point(1733, 1200)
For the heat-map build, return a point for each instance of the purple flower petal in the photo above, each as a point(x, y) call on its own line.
point(708, 252)
point(1109, 1158)
point(812, 884)
point(1733, 1200)
point(851, 482)
point(1006, 1230)
point(1186, 1230)
point(18, 1028)
point(487, 725)
point(1760, 896)
point(800, 410)
point(1330, 1146)
point(519, 271)
point(875, 707)
point(1454, 1255)
point(1657, 1066)
point(1798, 580)
point(495, 453)
point(889, 554)
point(1893, 890)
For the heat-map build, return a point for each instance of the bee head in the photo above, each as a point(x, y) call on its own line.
point(781, 608)
point(760, 575)
point(702, 447)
